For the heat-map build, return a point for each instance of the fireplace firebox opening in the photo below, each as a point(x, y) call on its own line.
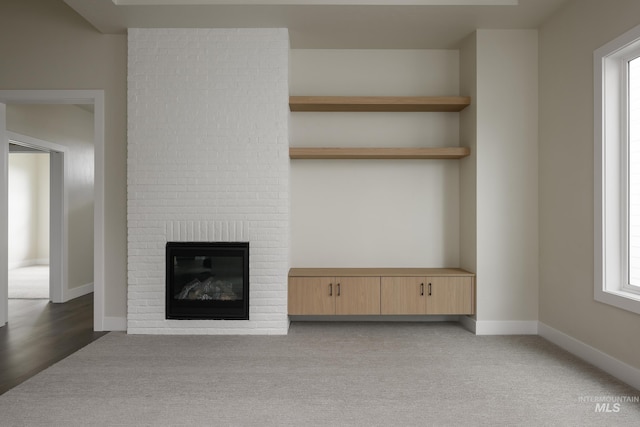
point(207, 280)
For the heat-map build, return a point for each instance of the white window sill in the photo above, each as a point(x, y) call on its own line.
point(620, 298)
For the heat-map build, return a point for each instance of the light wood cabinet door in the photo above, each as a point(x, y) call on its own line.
point(449, 295)
point(357, 295)
point(311, 296)
point(402, 295)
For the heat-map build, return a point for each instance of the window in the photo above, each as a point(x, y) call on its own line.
point(633, 139)
point(617, 172)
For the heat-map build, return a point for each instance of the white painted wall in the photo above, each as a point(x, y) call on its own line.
point(567, 43)
point(507, 175)
point(72, 127)
point(28, 209)
point(4, 223)
point(364, 213)
point(44, 183)
point(49, 46)
point(468, 165)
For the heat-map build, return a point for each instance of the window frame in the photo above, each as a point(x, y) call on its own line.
point(630, 53)
point(611, 197)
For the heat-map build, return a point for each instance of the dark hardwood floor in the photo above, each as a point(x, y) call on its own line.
point(40, 334)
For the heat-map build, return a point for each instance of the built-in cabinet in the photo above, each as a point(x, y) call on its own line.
point(375, 291)
point(427, 295)
point(334, 295)
point(380, 291)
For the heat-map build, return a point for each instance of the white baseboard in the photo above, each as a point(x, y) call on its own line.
point(78, 291)
point(500, 327)
point(19, 264)
point(28, 263)
point(621, 370)
point(468, 322)
point(115, 324)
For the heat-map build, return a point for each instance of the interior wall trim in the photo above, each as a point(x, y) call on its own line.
point(500, 327)
point(617, 368)
point(115, 324)
point(78, 291)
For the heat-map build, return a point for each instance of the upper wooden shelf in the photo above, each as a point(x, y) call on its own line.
point(379, 103)
point(378, 153)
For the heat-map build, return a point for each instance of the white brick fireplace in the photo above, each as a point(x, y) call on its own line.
point(208, 161)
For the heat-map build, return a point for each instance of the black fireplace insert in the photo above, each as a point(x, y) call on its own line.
point(207, 280)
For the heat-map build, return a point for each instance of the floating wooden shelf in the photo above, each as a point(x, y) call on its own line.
point(379, 103)
point(378, 153)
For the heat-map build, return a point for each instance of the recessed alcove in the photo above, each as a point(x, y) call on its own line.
point(374, 138)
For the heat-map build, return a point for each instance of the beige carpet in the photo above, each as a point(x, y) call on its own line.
point(321, 374)
point(29, 282)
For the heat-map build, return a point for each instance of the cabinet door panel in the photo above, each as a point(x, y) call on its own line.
point(311, 295)
point(357, 295)
point(450, 295)
point(402, 295)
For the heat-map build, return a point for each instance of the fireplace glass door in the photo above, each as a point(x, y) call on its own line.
point(207, 280)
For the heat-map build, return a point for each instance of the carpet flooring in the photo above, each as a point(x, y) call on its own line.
point(29, 282)
point(322, 374)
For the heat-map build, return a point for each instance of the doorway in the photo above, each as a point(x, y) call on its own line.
point(40, 195)
point(29, 183)
point(78, 97)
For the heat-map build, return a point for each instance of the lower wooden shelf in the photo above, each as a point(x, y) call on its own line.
point(381, 291)
point(379, 103)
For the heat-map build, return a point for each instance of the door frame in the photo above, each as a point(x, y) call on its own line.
point(58, 213)
point(86, 97)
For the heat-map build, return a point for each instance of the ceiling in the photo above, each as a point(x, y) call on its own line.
point(331, 24)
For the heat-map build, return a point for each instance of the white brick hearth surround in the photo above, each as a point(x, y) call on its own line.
point(208, 161)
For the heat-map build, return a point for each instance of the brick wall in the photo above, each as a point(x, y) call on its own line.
point(208, 161)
